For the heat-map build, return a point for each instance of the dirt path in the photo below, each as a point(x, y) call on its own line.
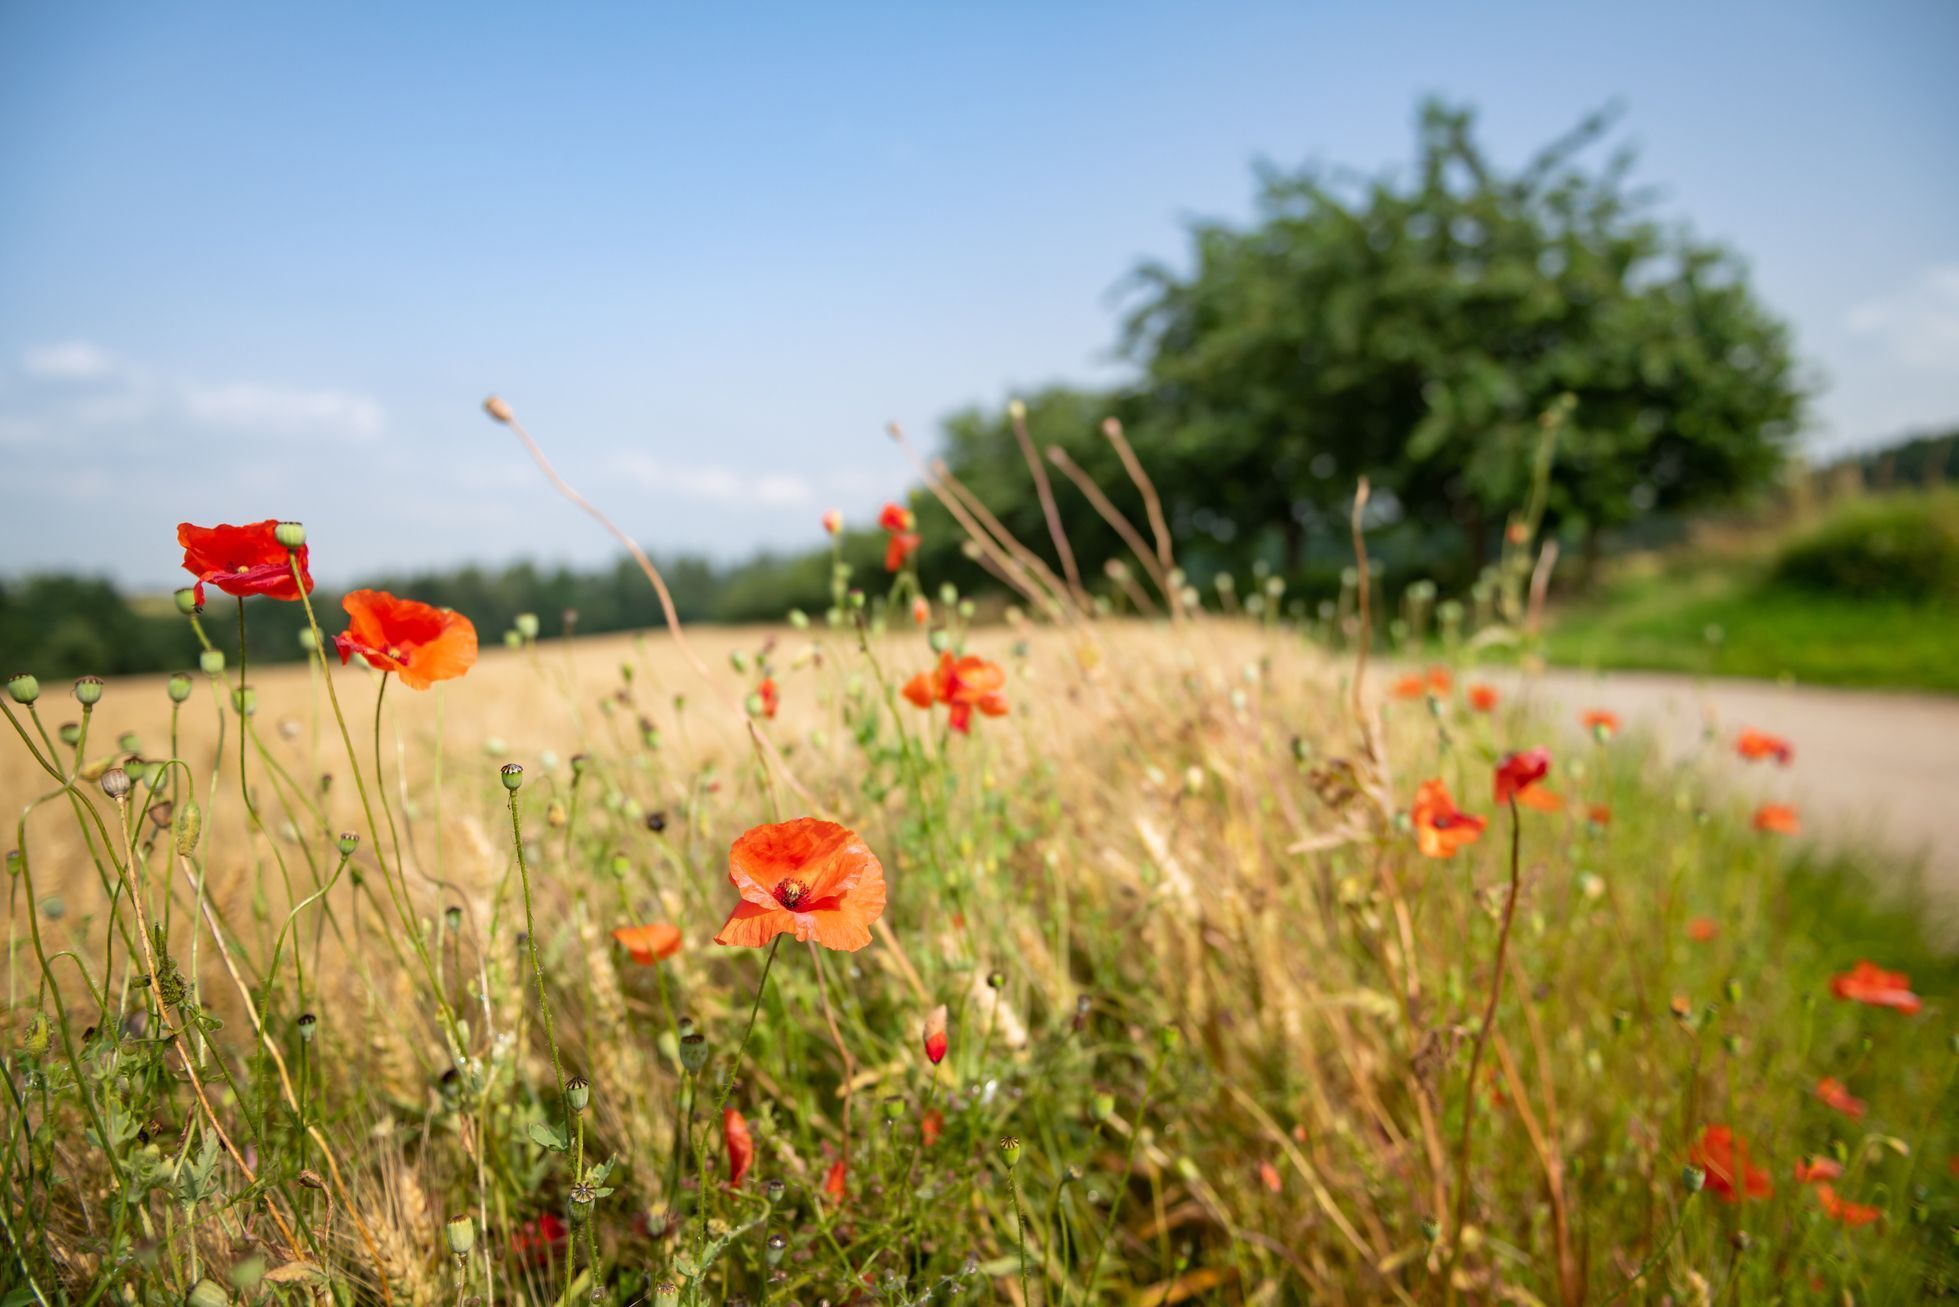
point(1870, 767)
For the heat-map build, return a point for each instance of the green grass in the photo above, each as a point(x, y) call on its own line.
point(1663, 622)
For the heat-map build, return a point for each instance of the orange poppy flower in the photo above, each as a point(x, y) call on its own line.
point(921, 611)
point(807, 877)
point(898, 548)
point(1724, 1156)
point(1831, 1090)
point(935, 1040)
point(740, 1145)
point(894, 517)
point(1483, 698)
point(1817, 1169)
point(770, 698)
point(1871, 984)
point(655, 942)
point(1440, 829)
point(1755, 745)
point(242, 560)
point(1540, 798)
point(420, 643)
point(1410, 687)
point(1268, 1175)
point(931, 1126)
point(1599, 815)
point(1702, 929)
point(1847, 1214)
point(1439, 679)
point(1600, 723)
point(962, 684)
point(1519, 771)
point(1778, 819)
point(835, 1180)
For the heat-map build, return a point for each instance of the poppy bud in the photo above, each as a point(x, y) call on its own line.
point(190, 824)
point(966, 610)
point(307, 640)
point(187, 601)
point(513, 776)
point(939, 640)
point(1010, 1150)
point(128, 742)
point(513, 640)
point(935, 1036)
point(88, 691)
point(178, 687)
point(115, 784)
point(24, 688)
point(461, 1233)
point(526, 624)
point(996, 980)
point(290, 534)
point(778, 1242)
point(833, 522)
point(620, 866)
point(497, 409)
point(578, 1093)
point(693, 1050)
point(1102, 1106)
point(245, 700)
point(206, 1293)
point(212, 662)
point(773, 1190)
point(739, 661)
point(70, 733)
point(754, 705)
point(1694, 1178)
point(308, 1025)
point(556, 815)
point(894, 1107)
point(15, 862)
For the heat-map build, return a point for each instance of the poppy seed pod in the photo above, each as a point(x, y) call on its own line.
point(290, 534)
point(178, 687)
point(88, 691)
point(116, 783)
point(187, 601)
point(307, 640)
point(452, 919)
point(206, 1293)
point(212, 662)
point(778, 1242)
point(15, 862)
point(774, 1189)
point(1694, 1178)
point(24, 688)
point(461, 1234)
point(578, 1093)
point(497, 409)
point(666, 1294)
point(348, 843)
point(513, 776)
point(70, 733)
point(308, 1025)
point(128, 742)
point(1010, 1150)
point(693, 1050)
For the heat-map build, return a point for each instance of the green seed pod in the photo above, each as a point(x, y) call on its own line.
point(24, 688)
point(206, 1293)
point(578, 1093)
point(309, 1025)
point(212, 661)
point(1010, 1149)
point(513, 776)
point(693, 1050)
point(290, 534)
point(778, 1244)
point(939, 640)
point(461, 1233)
point(996, 980)
point(772, 1191)
point(1694, 1178)
point(307, 640)
point(88, 691)
point(38, 1033)
point(187, 601)
point(16, 862)
point(966, 610)
point(178, 687)
point(348, 843)
point(245, 701)
point(513, 640)
point(1102, 1106)
point(799, 619)
point(894, 1107)
point(129, 742)
point(190, 824)
point(452, 919)
point(526, 625)
point(666, 1294)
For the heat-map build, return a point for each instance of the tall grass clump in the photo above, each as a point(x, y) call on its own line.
point(887, 957)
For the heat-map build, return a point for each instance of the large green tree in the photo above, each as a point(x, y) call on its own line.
point(1411, 327)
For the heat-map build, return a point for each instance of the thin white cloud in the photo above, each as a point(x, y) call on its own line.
point(1919, 325)
point(273, 410)
point(74, 360)
point(715, 485)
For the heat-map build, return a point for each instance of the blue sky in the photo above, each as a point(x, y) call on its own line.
point(265, 260)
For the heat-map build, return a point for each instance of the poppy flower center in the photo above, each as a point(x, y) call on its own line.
point(789, 892)
point(394, 653)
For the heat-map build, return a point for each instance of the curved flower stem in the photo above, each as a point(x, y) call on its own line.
point(1128, 1164)
point(1476, 1061)
point(537, 964)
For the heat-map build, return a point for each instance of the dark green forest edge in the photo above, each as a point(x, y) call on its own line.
point(1411, 328)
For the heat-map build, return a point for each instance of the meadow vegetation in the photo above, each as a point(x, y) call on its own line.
point(888, 957)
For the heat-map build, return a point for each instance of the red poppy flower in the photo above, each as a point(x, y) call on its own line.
point(1440, 829)
point(1541, 798)
point(898, 548)
point(836, 1180)
point(962, 684)
point(740, 1145)
point(833, 522)
point(1410, 687)
point(1599, 815)
point(1869, 983)
point(767, 693)
point(421, 644)
point(921, 611)
point(807, 877)
point(1702, 929)
point(1817, 1169)
point(1268, 1175)
point(242, 560)
point(1600, 723)
point(1724, 1156)
point(648, 944)
point(537, 1241)
point(1755, 745)
point(1831, 1090)
point(1483, 698)
point(935, 1040)
point(931, 1126)
point(1519, 771)
point(893, 517)
point(1778, 819)
point(1847, 1214)
point(1439, 680)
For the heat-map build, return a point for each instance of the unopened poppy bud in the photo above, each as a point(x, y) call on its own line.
point(513, 776)
point(1620, 1020)
point(178, 686)
point(1168, 1038)
point(556, 815)
point(307, 640)
point(894, 1107)
point(206, 1293)
point(1694, 1178)
point(70, 733)
point(497, 409)
point(15, 863)
point(513, 640)
point(778, 1243)
point(693, 1050)
point(115, 784)
point(24, 688)
point(290, 534)
point(833, 522)
point(190, 824)
point(578, 1093)
point(1733, 990)
point(187, 601)
point(88, 691)
point(348, 843)
point(1010, 1150)
point(966, 610)
point(799, 619)
point(308, 1026)
point(755, 705)
point(739, 661)
point(461, 1233)
point(245, 700)
point(940, 640)
point(526, 624)
point(212, 662)
point(773, 1190)
point(128, 742)
point(1102, 1106)
point(996, 980)
point(580, 762)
